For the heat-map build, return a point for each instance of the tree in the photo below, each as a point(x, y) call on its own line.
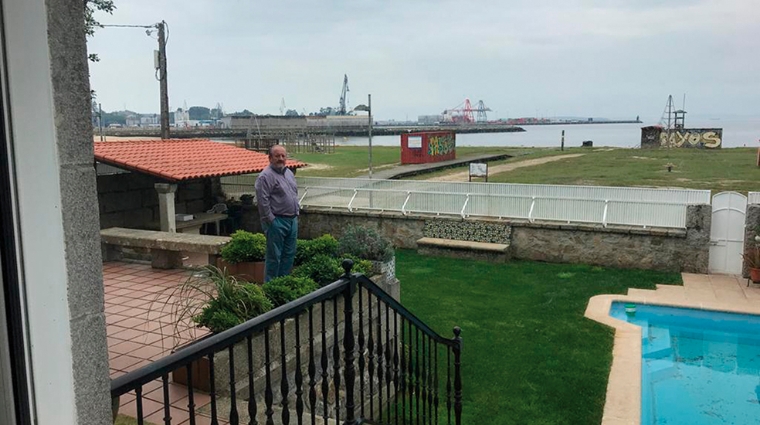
point(199, 113)
point(291, 113)
point(217, 113)
point(90, 23)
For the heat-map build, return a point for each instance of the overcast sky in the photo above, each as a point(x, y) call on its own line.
point(601, 58)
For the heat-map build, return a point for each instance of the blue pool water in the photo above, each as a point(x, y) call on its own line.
point(698, 367)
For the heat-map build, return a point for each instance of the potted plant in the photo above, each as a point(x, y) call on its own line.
point(216, 300)
point(752, 261)
point(367, 244)
point(244, 256)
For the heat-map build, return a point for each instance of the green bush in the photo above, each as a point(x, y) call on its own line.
point(366, 244)
point(307, 249)
point(245, 247)
point(360, 266)
point(322, 269)
point(228, 302)
point(285, 289)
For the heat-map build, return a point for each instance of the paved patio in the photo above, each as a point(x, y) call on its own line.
point(140, 328)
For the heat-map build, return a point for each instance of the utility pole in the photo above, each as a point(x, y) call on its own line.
point(162, 78)
point(100, 123)
point(369, 111)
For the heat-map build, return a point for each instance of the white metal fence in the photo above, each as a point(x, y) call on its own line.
point(753, 198)
point(571, 204)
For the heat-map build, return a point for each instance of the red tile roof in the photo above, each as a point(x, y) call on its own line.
point(183, 159)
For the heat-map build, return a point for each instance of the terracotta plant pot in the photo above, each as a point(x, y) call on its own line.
point(201, 371)
point(754, 275)
point(249, 271)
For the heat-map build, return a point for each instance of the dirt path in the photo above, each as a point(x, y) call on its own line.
point(464, 175)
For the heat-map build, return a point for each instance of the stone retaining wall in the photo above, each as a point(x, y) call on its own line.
point(684, 250)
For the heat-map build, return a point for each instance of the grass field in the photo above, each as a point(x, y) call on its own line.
point(353, 161)
point(718, 170)
point(529, 356)
point(721, 170)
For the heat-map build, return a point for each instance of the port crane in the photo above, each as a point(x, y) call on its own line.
point(465, 113)
point(343, 96)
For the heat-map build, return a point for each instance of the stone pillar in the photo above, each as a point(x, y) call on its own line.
point(166, 206)
point(751, 223)
point(696, 252)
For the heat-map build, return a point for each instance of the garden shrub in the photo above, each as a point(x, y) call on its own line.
point(322, 269)
point(245, 247)
point(307, 249)
point(230, 302)
point(360, 266)
point(366, 244)
point(285, 289)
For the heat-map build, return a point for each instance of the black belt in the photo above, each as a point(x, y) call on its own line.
point(285, 216)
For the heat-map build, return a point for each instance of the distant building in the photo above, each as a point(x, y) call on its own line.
point(182, 118)
point(150, 120)
point(282, 122)
point(429, 119)
point(132, 121)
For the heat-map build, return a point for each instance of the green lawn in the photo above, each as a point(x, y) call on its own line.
point(352, 161)
point(718, 170)
point(529, 356)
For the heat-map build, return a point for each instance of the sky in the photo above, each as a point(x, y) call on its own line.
point(588, 58)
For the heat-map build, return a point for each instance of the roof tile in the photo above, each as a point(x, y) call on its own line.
point(183, 159)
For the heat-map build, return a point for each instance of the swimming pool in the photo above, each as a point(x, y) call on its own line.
point(698, 367)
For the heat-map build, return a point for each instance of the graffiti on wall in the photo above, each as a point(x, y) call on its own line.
point(441, 145)
point(710, 138)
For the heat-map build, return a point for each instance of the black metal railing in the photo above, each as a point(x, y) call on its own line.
point(375, 363)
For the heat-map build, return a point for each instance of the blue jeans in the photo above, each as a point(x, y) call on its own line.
point(281, 235)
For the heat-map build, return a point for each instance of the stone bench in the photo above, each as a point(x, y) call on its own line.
point(165, 247)
point(464, 249)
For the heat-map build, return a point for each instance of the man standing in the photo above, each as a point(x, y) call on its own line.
point(277, 197)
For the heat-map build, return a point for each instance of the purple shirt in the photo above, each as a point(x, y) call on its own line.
point(276, 194)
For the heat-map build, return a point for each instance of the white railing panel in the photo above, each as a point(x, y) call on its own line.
point(379, 200)
point(569, 210)
point(646, 214)
point(585, 204)
point(753, 198)
point(498, 206)
point(436, 203)
point(682, 196)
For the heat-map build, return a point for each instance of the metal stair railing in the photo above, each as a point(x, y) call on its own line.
point(375, 363)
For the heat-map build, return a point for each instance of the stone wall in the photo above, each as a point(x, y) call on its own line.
point(751, 223)
point(620, 246)
point(130, 200)
point(615, 246)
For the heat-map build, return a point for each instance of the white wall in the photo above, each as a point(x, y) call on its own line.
point(39, 207)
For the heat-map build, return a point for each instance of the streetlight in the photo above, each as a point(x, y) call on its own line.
point(162, 28)
point(368, 109)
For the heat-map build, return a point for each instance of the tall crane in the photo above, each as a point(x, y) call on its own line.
point(464, 113)
point(343, 96)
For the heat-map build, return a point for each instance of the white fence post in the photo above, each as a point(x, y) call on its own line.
point(403, 207)
point(352, 200)
point(530, 213)
point(465, 205)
